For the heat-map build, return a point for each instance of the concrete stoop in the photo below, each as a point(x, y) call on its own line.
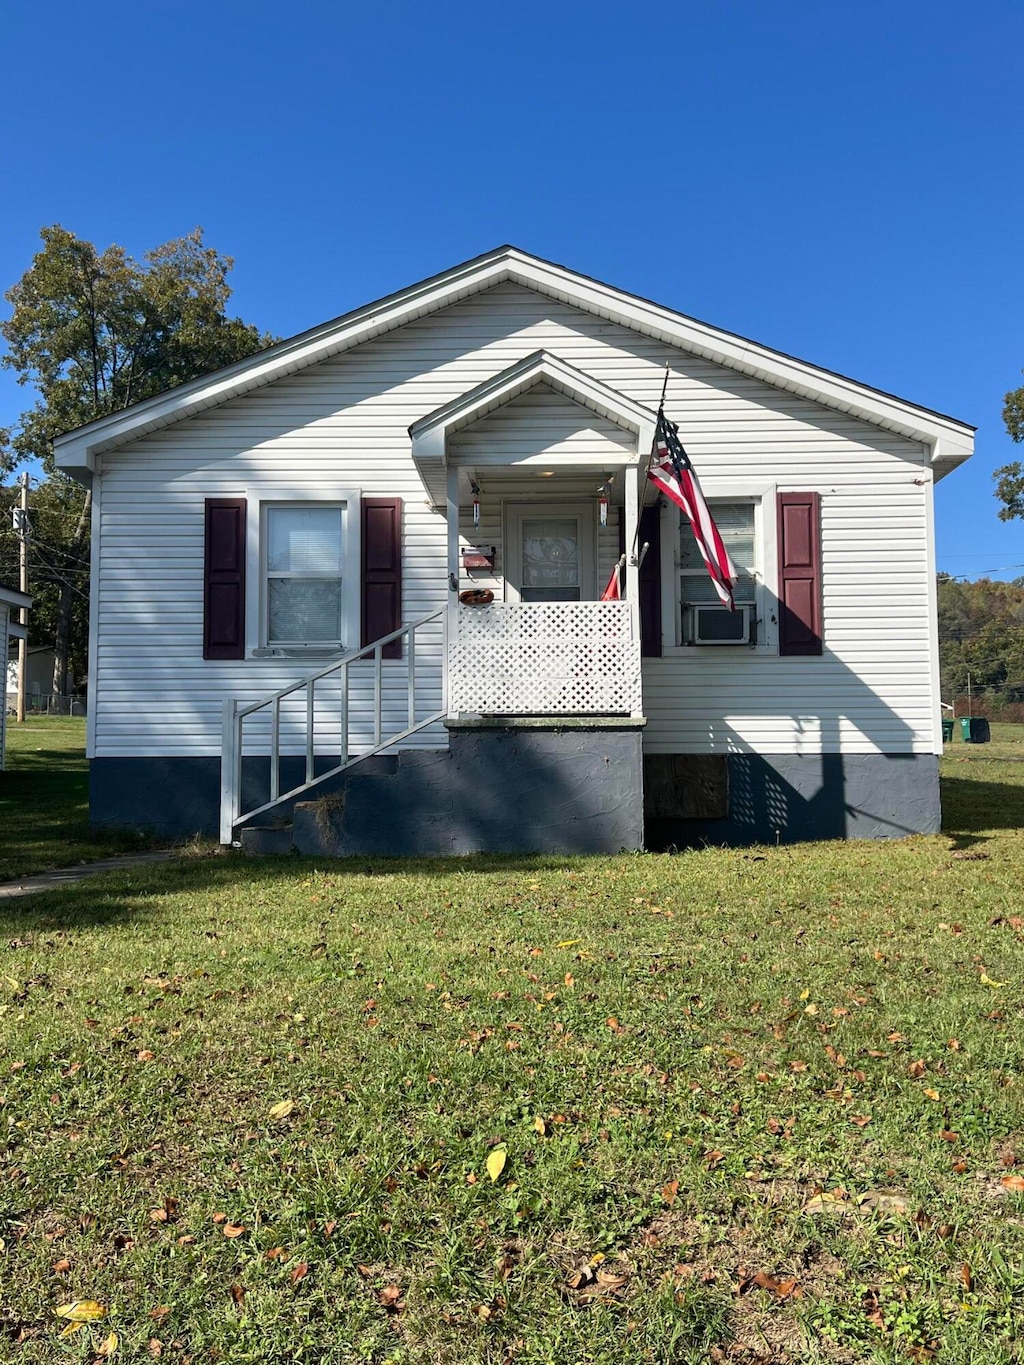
point(535, 785)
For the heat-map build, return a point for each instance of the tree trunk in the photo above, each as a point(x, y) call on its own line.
point(66, 602)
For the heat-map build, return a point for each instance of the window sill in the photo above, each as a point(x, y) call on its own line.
point(713, 651)
point(297, 652)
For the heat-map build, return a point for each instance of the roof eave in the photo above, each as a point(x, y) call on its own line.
point(76, 451)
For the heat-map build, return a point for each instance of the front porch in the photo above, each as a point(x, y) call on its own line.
point(542, 470)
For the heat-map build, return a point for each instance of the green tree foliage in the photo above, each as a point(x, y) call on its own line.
point(1010, 477)
point(55, 512)
point(94, 332)
point(981, 632)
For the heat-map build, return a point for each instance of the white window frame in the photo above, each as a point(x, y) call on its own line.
point(258, 502)
point(765, 611)
point(515, 512)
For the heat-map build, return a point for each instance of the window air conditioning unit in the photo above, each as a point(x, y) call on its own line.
point(714, 625)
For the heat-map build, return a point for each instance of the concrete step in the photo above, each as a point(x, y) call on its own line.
point(268, 839)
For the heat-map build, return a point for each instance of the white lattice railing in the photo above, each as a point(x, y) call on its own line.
point(546, 658)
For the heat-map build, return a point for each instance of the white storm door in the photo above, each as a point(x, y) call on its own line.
point(550, 552)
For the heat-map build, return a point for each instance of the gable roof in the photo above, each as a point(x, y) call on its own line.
point(430, 433)
point(948, 440)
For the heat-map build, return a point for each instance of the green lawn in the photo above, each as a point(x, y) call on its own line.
point(754, 1105)
point(44, 800)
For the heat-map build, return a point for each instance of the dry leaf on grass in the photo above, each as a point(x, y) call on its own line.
point(283, 1110)
point(299, 1272)
point(1013, 1182)
point(496, 1162)
point(391, 1299)
point(233, 1229)
point(82, 1310)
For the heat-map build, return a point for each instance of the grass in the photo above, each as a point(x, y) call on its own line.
point(678, 1057)
point(44, 801)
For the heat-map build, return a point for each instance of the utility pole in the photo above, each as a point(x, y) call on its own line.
point(22, 521)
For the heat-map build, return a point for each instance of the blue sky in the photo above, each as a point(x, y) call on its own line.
point(838, 181)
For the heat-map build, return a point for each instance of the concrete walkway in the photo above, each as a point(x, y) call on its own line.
point(49, 881)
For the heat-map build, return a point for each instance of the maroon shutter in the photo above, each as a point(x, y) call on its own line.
point(382, 571)
point(649, 578)
point(650, 583)
point(224, 583)
point(799, 573)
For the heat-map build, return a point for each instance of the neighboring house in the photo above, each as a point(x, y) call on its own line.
point(11, 604)
point(38, 674)
point(254, 529)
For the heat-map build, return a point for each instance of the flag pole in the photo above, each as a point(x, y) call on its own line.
point(647, 469)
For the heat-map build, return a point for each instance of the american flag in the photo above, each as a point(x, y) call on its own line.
point(673, 473)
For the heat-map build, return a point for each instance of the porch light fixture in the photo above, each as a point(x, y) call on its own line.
point(603, 495)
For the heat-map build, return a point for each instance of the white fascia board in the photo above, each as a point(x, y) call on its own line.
point(948, 440)
point(13, 598)
point(77, 450)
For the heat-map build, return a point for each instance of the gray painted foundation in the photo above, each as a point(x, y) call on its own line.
point(788, 798)
point(529, 787)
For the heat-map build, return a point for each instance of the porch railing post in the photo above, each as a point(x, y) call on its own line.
point(230, 765)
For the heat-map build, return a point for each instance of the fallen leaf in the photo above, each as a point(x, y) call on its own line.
point(496, 1162)
point(391, 1298)
point(299, 1272)
point(158, 1314)
point(1013, 1182)
point(82, 1310)
point(233, 1229)
point(541, 1125)
point(156, 1346)
point(61, 1267)
point(783, 1289)
point(966, 1277)
point(220, 1218)
point(861, 1120)
point(714, 1158)
point(825, 1202)
point(108, 1346)
point(281, 1111)
point(947, 1136)
point(932, 1094)
point(274, 1254)
point(145, 1055)
point(986, 980)
point(237, 1294)
point(917, 1068)
point(669, 1192)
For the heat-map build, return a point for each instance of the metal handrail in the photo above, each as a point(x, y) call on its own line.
point(231, 814)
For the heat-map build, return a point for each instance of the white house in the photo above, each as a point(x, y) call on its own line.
point(279, 551)
point(11, 604)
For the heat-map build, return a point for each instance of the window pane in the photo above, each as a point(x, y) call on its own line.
point(304, 539)
point(304, 610)
point(735, 522)
point(551, 555)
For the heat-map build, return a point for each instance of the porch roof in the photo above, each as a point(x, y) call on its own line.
point(430, 433)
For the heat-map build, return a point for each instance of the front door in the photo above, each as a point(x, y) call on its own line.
point(550, 552)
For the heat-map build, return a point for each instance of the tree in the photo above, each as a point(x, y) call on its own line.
point(1010, 477)
point(94, 332)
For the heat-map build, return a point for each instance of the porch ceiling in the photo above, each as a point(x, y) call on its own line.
point(430, 435)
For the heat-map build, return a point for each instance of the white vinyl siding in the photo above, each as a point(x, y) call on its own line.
point(344, 423)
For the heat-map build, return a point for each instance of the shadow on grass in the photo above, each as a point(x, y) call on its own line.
point(970, 806)
point(123, 899)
